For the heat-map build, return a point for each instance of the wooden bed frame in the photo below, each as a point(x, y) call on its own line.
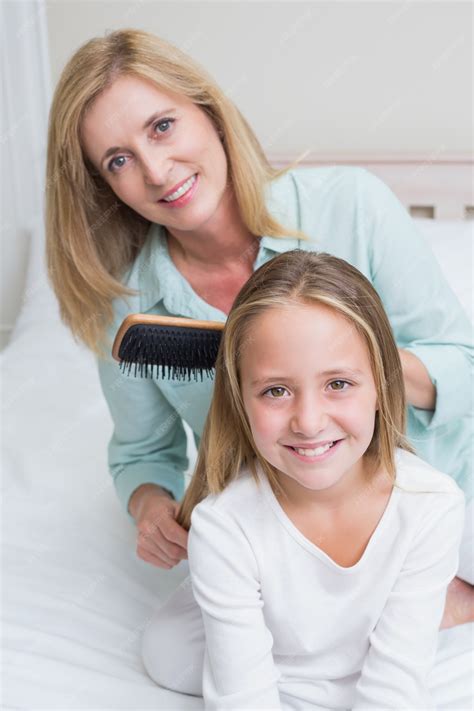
point(436, 186)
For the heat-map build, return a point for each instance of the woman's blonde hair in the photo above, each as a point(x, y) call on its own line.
point(290, 278)
point(91, 235)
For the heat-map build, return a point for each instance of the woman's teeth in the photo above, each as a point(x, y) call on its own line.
point(180, 191)
point(313, 452)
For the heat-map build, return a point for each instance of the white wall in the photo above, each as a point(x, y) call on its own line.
point(333, 77)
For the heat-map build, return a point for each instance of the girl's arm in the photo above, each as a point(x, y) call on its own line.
point(395, 673)
point(239, 671)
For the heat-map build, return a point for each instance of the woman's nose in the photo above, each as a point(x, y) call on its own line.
point(155, 170)
point(309, 417)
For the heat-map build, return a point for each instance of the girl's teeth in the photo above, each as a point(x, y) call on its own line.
point(314, 452)
point(183, 189)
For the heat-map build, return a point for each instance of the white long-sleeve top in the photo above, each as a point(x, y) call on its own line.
point(288, 628)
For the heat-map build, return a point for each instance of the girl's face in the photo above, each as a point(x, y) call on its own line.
point(310, 398)
point(144, 142)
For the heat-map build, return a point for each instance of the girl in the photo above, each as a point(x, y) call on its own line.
point(321, 547)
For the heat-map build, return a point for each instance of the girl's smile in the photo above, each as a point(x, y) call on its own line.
point(310, 398)
point(314, 453)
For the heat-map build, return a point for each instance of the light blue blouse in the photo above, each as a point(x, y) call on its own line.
point(350, 213)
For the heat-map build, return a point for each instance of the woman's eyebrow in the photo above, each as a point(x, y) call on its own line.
point(325, 373)
point(157, 115)
point(149, 121)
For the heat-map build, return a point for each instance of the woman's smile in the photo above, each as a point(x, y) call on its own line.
point(183, 195)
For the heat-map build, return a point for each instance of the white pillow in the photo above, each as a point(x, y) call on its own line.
point(452, 243)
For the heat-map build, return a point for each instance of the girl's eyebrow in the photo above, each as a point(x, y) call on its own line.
point(325, 373)
point(114, 149)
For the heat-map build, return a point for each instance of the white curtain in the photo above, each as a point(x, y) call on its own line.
point(26, 96)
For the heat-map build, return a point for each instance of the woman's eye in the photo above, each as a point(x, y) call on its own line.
point(338, 385)
point(161, 123)
point(113, 165)
point(277, 393)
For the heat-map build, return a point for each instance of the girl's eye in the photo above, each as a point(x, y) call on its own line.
point(277, 393)
point(339, 385)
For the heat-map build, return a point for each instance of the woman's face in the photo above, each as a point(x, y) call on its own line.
point(144, 142)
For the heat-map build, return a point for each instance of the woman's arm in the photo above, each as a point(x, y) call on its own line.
point(239, 671)
point(148, 443)
point(427, 319)
point(420, 391)
point(403, 645)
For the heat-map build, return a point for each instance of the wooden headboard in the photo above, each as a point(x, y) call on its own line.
point(438, 186)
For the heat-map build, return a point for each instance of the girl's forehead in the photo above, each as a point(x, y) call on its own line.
point(302, 316)
point(303, 334)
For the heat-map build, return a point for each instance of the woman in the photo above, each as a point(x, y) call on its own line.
point(133, 119)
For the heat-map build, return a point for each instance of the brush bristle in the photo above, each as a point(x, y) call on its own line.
point(179, 352)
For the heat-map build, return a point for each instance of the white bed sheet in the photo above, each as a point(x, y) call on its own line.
point(75, 598)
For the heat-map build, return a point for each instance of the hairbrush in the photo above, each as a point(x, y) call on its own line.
point(181, 347)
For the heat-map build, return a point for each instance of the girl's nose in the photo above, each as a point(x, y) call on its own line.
point(309, 417)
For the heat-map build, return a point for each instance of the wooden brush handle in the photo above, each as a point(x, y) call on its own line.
point(157, 320)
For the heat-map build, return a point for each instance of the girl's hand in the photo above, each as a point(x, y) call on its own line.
point(161, 540)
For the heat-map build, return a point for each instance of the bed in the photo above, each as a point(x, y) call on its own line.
point(76, 598)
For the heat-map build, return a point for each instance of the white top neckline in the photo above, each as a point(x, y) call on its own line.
point(295, 532)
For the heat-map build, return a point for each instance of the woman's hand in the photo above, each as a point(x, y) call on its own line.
point(161, 540)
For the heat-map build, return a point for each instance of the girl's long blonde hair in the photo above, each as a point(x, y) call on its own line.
point(293, 277)
point(91, 235)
